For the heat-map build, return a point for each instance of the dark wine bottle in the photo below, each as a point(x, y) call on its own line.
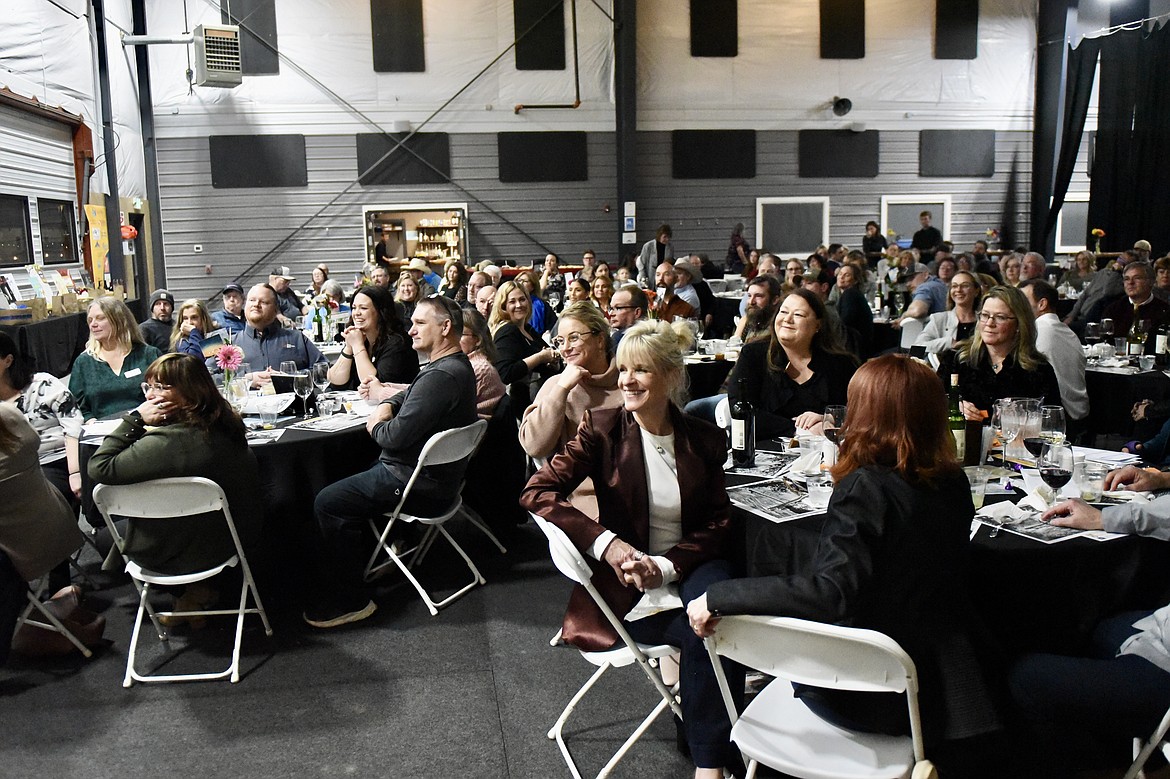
point(743, 429)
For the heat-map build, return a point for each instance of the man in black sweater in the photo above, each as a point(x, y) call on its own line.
point(441, 397)
point(928, 238)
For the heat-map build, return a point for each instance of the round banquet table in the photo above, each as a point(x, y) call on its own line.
point(1031, 596)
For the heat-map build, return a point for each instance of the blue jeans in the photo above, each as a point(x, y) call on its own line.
point(343, 511)
point(1084, 709)
point(704, 716)
point(704, 408)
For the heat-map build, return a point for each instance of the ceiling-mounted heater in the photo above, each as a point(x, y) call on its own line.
point(217, 56)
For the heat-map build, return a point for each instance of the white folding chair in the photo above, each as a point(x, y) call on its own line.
point(911, 329)
point(778, 730)
point(162, 499)
point(572, 564)
point(1142, 750)
point(723, 413)
point(51, 623)
point(446, 447)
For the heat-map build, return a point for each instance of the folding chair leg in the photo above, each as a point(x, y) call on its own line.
point(143, 592)
point(475, 519)
point(54, 623)
point(751, 769)
point(555, 731)
point(633, 739)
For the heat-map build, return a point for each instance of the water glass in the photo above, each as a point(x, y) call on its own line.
point(1093, 481)
point(326, 406)
point(268, 418)
point(820, 489)
point(1146, 362)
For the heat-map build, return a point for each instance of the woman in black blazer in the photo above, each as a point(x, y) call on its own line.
point(892, 558)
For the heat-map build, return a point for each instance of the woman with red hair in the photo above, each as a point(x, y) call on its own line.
point(891, 558)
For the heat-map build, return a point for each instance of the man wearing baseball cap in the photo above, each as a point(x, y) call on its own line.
point(930, 296)
point(231, 316)
point(286, 297)
point(156, 330)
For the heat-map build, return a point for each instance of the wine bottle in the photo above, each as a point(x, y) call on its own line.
point(743, 429)
point(318, 325)
point(1162, 346)
point(955, 419)
point(1135, 341)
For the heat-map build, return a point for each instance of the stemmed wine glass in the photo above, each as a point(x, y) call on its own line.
point(1107, 330)
point(1052, 424)
point(289, 367)
point(1005, 421)
point(303, 387)
point(1056, 467)
point(834, 417)
point(236, 392)
point(320, 374)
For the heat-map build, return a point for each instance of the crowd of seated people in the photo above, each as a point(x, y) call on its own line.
point(598, 393)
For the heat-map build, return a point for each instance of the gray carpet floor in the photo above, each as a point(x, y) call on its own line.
point(469, 693)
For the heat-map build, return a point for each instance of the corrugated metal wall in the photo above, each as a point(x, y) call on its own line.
point(236, 227)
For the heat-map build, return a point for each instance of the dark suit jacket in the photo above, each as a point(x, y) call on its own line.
point(608, 449)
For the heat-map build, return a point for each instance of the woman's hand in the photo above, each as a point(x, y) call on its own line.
point(75, 484)
point(809, 420)
point(185, 328)
point(617, 553)
point(702, 621)
point(642, 572)
point(970, 412)
point(154, 412)
point(355, 340)
point(571, 376)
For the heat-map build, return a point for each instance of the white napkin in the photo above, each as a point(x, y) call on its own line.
point(807, 462)
point(1130, 496)
point(274, 404)
point(654, 601)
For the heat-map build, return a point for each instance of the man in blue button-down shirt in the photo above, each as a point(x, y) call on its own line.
point(266, 344)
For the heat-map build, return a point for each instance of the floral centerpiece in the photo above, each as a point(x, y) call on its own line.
point(1098, 233)
point(229, 358)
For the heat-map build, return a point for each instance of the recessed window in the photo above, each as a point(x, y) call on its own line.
point(793, 226)
point(58, 231)
point(15, 246)
point(900, 213)
point(1072, 223)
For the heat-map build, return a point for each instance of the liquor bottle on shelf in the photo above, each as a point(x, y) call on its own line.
point(743, 429)
point(1135, 340)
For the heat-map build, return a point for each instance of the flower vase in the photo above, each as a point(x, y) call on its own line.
point(1098, 250)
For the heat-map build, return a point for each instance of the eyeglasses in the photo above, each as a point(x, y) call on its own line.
point(996, 319)
point(620, 308)
point(572, 339)
point(146, 388)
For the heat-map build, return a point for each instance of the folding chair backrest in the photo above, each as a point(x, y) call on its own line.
point(160, 498)
point(817, 654)
point(566, 557)
point(452, 445)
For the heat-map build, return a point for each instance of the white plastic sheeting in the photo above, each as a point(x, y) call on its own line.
point(47, 53)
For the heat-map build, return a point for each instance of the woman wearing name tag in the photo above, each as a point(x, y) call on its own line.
point(105, 378)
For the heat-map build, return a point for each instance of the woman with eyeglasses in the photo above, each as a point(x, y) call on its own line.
point(193, 431)
point(791, 376)
point(1000, 360)
point(947, 329)
point(664, 522)
point(589, 381)
point(105, 377)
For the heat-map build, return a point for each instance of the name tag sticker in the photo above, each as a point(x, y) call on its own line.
point(290, 346)
point(133, 373)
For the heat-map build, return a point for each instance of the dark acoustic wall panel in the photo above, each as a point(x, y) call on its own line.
point(257, 21)
point(404, 165)
point(542, 157)
point(239, 161)
point(713, 154)
point(838, 154)
point(398, 36)
point(963, 153)
point(956, 29)
point(714, 28)
point(842, 29)
point(543, 48)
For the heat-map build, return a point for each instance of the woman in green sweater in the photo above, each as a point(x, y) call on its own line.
point(193, 432)
point(106, 377)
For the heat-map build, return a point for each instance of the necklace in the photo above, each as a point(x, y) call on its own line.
point(997, 366)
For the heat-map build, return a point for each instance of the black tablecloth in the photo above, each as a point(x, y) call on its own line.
point(53, 343)
point(1112, 395)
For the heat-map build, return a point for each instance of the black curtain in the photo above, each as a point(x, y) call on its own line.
point(1082, 65)
point(1128, 198)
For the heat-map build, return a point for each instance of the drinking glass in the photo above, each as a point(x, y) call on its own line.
point(1052, 424)
point(834, 416)
point(236, 392)
point(320, 374)
point(978, 480)
point(1056, 467)
point(1093, 481)
point(303, 387)
point(289, 367)
point(1093, 332)
point(1005, 420)
point(820, 490)
point(1106, 328)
